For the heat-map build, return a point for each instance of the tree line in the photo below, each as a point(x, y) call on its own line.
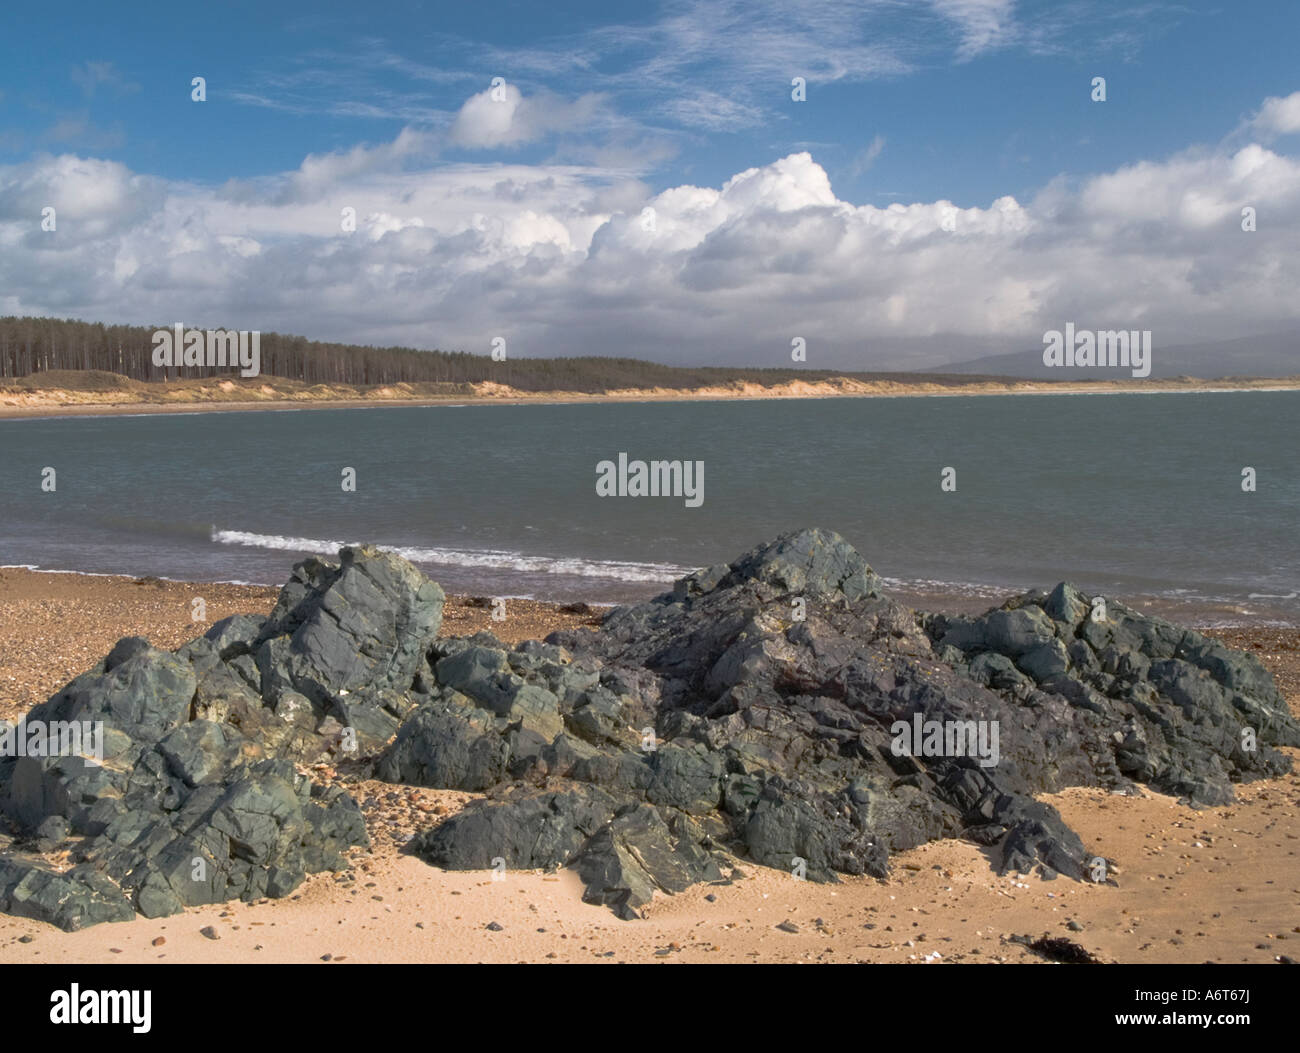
point(38, 345)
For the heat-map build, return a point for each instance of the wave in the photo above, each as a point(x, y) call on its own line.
point(36, 568)
point(493, 560)
point(976, 590)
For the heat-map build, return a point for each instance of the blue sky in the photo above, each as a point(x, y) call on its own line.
point(289, 79)
point(919, 103)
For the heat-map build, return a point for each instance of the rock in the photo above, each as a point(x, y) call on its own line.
point(1059, 949)
point(450, 745)
point(351, 639)
point(209, 932)
point(72, 900)
point(814, 563)
point(529, 831)
point(1045, 661)
point(629, 858)
point(776, 738)
point(364, 623)
point(196, 800)
point(781, 709)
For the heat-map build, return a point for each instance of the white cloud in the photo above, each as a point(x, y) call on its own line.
point(93, 74)
point(501, 116)
point(561, 260)
point(867, 157)
point(1278, 116)
point(983, 24)
point(690, 65)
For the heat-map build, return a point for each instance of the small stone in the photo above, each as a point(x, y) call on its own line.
point(209, 932)
point(159, 941)
point(494, 926)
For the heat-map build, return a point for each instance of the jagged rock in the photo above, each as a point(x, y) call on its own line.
point(781, 709)
point(777, 691)
point(630, 857)
point(529, 831)
point(347, 637)
point(194, 798)
point(452, 745)
point(71, 900)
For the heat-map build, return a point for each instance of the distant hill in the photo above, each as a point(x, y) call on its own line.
point(1273, 355)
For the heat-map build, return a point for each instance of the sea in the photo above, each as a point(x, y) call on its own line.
point(1190, 501)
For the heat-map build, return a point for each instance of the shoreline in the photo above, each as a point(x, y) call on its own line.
point(17, 404)
point(1200, 614)
point(55, 624)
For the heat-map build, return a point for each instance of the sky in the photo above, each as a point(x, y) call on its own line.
point(640, 179)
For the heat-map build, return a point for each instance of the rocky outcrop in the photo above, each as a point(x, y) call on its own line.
point(194, 796)
point(781, 710)
point(757, 711)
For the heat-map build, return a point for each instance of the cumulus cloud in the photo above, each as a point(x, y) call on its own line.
point(501, 116)
point(580, 259)
point(1278, 116)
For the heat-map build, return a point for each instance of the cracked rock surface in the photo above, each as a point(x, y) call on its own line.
point(198, 798)
point(754, 712)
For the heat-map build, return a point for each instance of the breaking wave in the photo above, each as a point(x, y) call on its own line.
point(518, 561)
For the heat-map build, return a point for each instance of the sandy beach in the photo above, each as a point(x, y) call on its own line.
point(1215, 884)
point(68, 394)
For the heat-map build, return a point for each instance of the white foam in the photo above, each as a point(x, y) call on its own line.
point(494, 560)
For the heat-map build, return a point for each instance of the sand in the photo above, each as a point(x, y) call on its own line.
point(276, 393)
point(1217, 884)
